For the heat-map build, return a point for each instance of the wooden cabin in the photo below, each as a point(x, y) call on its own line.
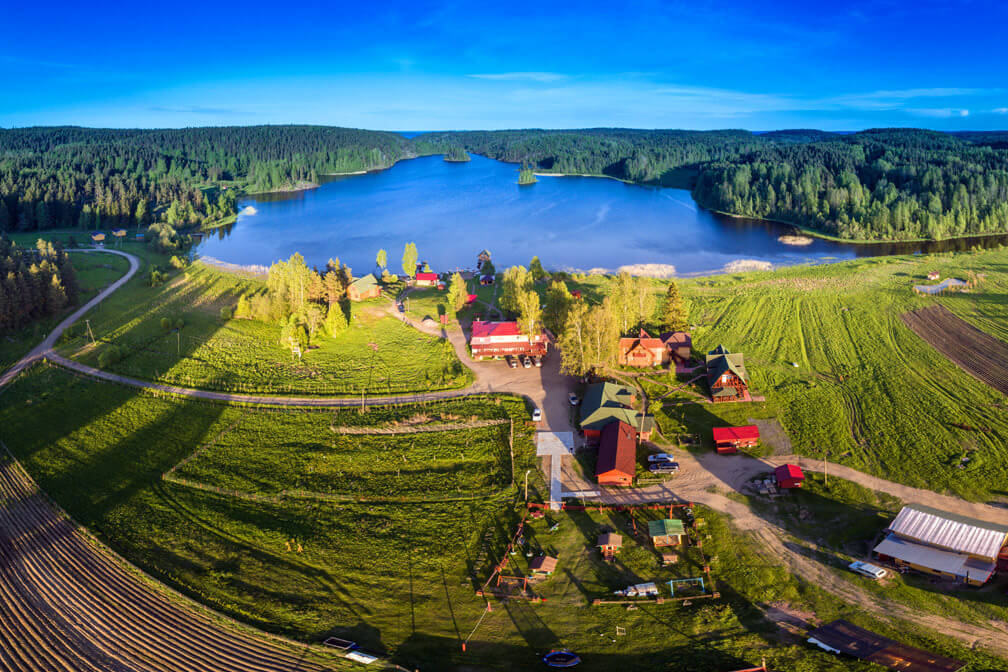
point(666, 532)
point(610, 544)
point(727, 376)
point(543, 565)
point(679, 345)
point(728, 440)
point(641, 351)
point(364, 288)
point(789, 476)
point(617, 455)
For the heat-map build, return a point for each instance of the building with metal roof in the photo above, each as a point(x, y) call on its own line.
point(608, 402)
point(727, 375)
point(617, 455)
point(950, 531)
point(666, 532)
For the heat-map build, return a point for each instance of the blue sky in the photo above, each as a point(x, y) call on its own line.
point(486, 65)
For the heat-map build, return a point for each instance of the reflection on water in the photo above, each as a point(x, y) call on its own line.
point(453, 210)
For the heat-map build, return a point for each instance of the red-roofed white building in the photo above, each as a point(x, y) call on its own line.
point(426, 280)
point(496, 339)
point(730, 439)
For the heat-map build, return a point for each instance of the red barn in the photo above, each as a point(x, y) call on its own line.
point(617, 455)
point(789, 476)
point(426, 280)
point(730, 439)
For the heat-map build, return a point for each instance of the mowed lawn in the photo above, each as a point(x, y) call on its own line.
point(299, 451)
point(376, 353)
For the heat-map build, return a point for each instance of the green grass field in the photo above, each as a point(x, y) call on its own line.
point(315, 460)
point(397, 577)
point(245, 355)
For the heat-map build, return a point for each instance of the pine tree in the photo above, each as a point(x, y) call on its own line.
point(335, 321)
point(243, 311)
point(56, 299)
point(5, 222)
point(674, 314)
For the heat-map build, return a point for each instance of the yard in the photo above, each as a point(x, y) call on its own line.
point(397, 577)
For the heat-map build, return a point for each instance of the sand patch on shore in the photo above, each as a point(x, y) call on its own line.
point(800, 241)
point(741, 265)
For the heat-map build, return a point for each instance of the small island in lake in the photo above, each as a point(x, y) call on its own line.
point(526, 176)
point(456, 155)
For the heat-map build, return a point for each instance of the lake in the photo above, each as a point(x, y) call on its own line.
point(454, 210)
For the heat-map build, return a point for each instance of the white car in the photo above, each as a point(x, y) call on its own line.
point(536, 415)
point(660, 457)
point(867, 569)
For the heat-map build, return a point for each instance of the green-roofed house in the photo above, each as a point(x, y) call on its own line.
point(727, 375)
point(362, 288)
point(604, 403)
point(666, 532)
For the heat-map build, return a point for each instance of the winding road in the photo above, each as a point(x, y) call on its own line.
point(52, 583)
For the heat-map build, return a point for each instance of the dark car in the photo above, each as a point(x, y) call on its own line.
point(663, 467)
point(511, 361)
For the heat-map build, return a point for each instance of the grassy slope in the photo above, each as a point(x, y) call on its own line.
point(94, 272)
point(867, 391)
point(395, 577)
point(246, 356)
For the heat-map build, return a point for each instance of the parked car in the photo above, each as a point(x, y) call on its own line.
point(663, 467)
point(660, 457)
point(867, 569)
point(511, 361)
point(573, 399)
point(536, 415)
point(537, 361)
point(526, 362)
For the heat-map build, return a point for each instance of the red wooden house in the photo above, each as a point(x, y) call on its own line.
point(426, 280)
point(727, 376)
point(642, 351)
point(617, 455)
point(729, 439)
point(789, 476)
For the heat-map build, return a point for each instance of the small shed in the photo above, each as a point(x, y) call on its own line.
point(544, 564)
point(934, 275)
point(610, 544)
point(728, 440)
point(666, 532)
point(471, 299)
point(575, 294)
point(98, 237)
point(789, 476)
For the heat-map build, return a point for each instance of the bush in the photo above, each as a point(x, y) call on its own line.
point(108, 356)
point(225, 313)
point(166, 324)
point(179, 323)
point(156, 278)
point(178, 262)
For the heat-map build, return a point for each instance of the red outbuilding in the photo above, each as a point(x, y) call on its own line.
point(729, 439)
point(789, 476)
point(617, 455)
point(470, 299)
point(426, 280)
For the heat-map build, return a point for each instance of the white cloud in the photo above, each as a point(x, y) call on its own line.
point(938, 112)
point(521, 76)
point(1000, 110)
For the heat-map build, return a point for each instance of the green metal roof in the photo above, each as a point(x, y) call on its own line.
point(720, 361)
point(605, 402)
point(364, 283)
point(665, 527)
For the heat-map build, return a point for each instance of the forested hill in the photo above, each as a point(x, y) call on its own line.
point(878, 184)
point(102, 178)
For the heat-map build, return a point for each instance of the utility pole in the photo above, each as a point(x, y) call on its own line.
point(825, 474)
point(90, 333)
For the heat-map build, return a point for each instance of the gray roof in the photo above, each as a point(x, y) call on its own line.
point(948, 530)
point(956, 564)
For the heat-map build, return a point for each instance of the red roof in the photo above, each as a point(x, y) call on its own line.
point(471, 297)
point(628, 342)
point(787, 472)
point(485, 329)
point(428, 277)
point(736, 433)
point(617, 449)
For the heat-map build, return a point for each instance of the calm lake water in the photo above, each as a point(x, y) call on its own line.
point(454, 210)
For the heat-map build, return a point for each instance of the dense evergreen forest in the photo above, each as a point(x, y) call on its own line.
point(878, 184)
point(34, 283)
point(103, 178)
point(894, 184)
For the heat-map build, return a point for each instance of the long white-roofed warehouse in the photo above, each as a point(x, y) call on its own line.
point(938, 542)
